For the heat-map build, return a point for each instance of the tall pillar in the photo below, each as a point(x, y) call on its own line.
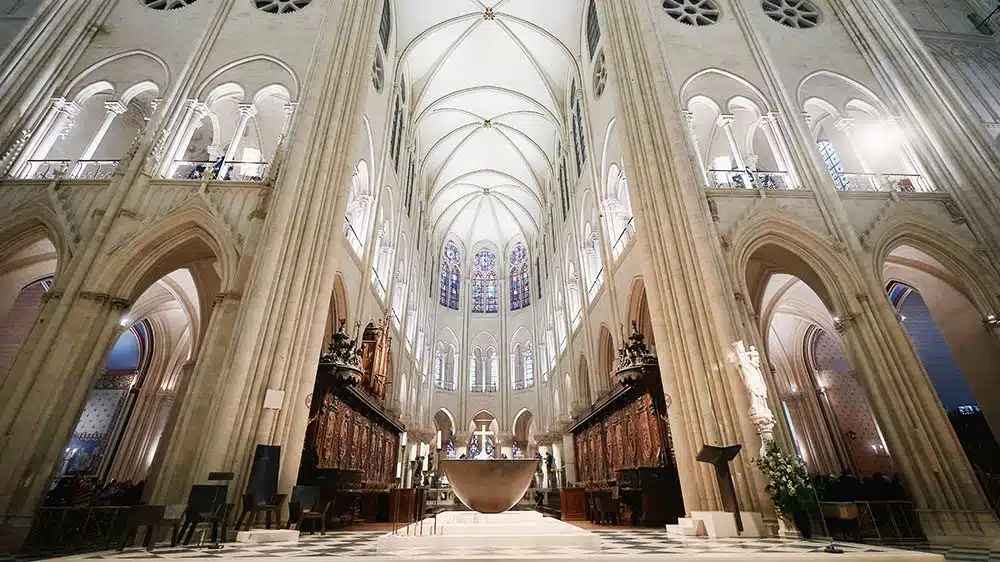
point(42, 410)
point(708, 404)
point(278, 335)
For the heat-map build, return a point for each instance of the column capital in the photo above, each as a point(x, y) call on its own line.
point(248, 109)
point(844, 124)
point(116, 107)
point(725, 119)
point(200, 109)
point(290, 107)
point(70, 108)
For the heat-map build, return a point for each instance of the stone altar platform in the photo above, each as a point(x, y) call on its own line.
point(465, 531)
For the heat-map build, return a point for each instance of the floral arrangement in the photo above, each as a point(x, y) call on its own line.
point(343, 349)
point(788, 483)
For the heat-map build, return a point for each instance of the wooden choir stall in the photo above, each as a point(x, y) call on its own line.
point(352, 442)
point(626, 469)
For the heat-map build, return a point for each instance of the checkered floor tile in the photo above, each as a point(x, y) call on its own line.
point(618, 543)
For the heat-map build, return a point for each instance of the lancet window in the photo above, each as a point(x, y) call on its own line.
point(484, 283)
point(520, 278)
point(450, 279)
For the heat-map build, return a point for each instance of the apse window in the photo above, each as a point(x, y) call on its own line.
point(166, 4)
point(799, 14)
point(692, 12)
point(281, 6)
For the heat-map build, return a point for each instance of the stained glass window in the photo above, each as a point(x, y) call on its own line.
point(484, 283)
point(450, 280)
point(520, 278)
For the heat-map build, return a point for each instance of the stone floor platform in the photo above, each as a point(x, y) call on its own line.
point(488, 533)
point(616, 544)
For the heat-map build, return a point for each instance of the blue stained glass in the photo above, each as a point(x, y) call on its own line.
point(484, 283)
point(520, 278)
point(450, 280)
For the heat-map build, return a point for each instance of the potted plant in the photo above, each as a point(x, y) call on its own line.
point(344, 355)
point(789, 486)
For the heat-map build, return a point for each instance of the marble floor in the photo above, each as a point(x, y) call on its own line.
point(615, 543)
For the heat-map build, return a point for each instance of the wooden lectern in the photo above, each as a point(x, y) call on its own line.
point(719, 457)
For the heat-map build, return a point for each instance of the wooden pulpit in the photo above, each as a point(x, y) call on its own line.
point(719, 457)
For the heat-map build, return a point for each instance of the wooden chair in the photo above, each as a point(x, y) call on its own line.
point(306, 505)
point(194, 518)
point(148, 516)
point(252, 508)
point(608, 509)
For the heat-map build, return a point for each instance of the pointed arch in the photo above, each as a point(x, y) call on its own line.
point(188, 234)
point(29, 224)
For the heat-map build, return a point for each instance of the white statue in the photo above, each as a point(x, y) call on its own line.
point(753, 378)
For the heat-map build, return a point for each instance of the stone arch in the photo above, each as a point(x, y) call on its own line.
point(605, 352)
point(583, 382)
point(338, 313)
point(28, 225)
point(128, 67)
point(255, 72)
point(187, 235)
point(638, 310)
point(909, 230)
point(811, 256)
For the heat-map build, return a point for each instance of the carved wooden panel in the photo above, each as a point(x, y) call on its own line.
point(347, 438)
point(623, 436)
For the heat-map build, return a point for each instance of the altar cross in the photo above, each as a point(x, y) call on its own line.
point(482, 434)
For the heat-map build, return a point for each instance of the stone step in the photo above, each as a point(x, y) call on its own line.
point(687, 527)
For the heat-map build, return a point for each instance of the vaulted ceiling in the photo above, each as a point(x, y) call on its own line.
point(489, 82)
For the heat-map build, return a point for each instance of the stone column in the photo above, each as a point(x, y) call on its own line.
point(699, 157)
point(41, 411)
point(279, 337)
point(196, 112)
point(725, 121)
point(569, 459)
point(247, 112)
point(846, 126)
point(60, 121)
point(708, 407)
point(113, 109)
point(769, 124)
point(178, 462)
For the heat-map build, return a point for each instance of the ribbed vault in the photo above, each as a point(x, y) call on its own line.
point(489, 82)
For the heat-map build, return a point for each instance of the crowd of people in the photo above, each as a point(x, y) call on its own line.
point(79, 490)
point(848, 488)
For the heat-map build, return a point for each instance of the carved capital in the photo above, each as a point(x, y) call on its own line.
point(248, 110)
point(117, 303)
point(116, 107)
point(229, 295)
point(53, 294)
point(725, 120)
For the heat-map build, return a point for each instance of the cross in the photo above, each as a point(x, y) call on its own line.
point(481, 434)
